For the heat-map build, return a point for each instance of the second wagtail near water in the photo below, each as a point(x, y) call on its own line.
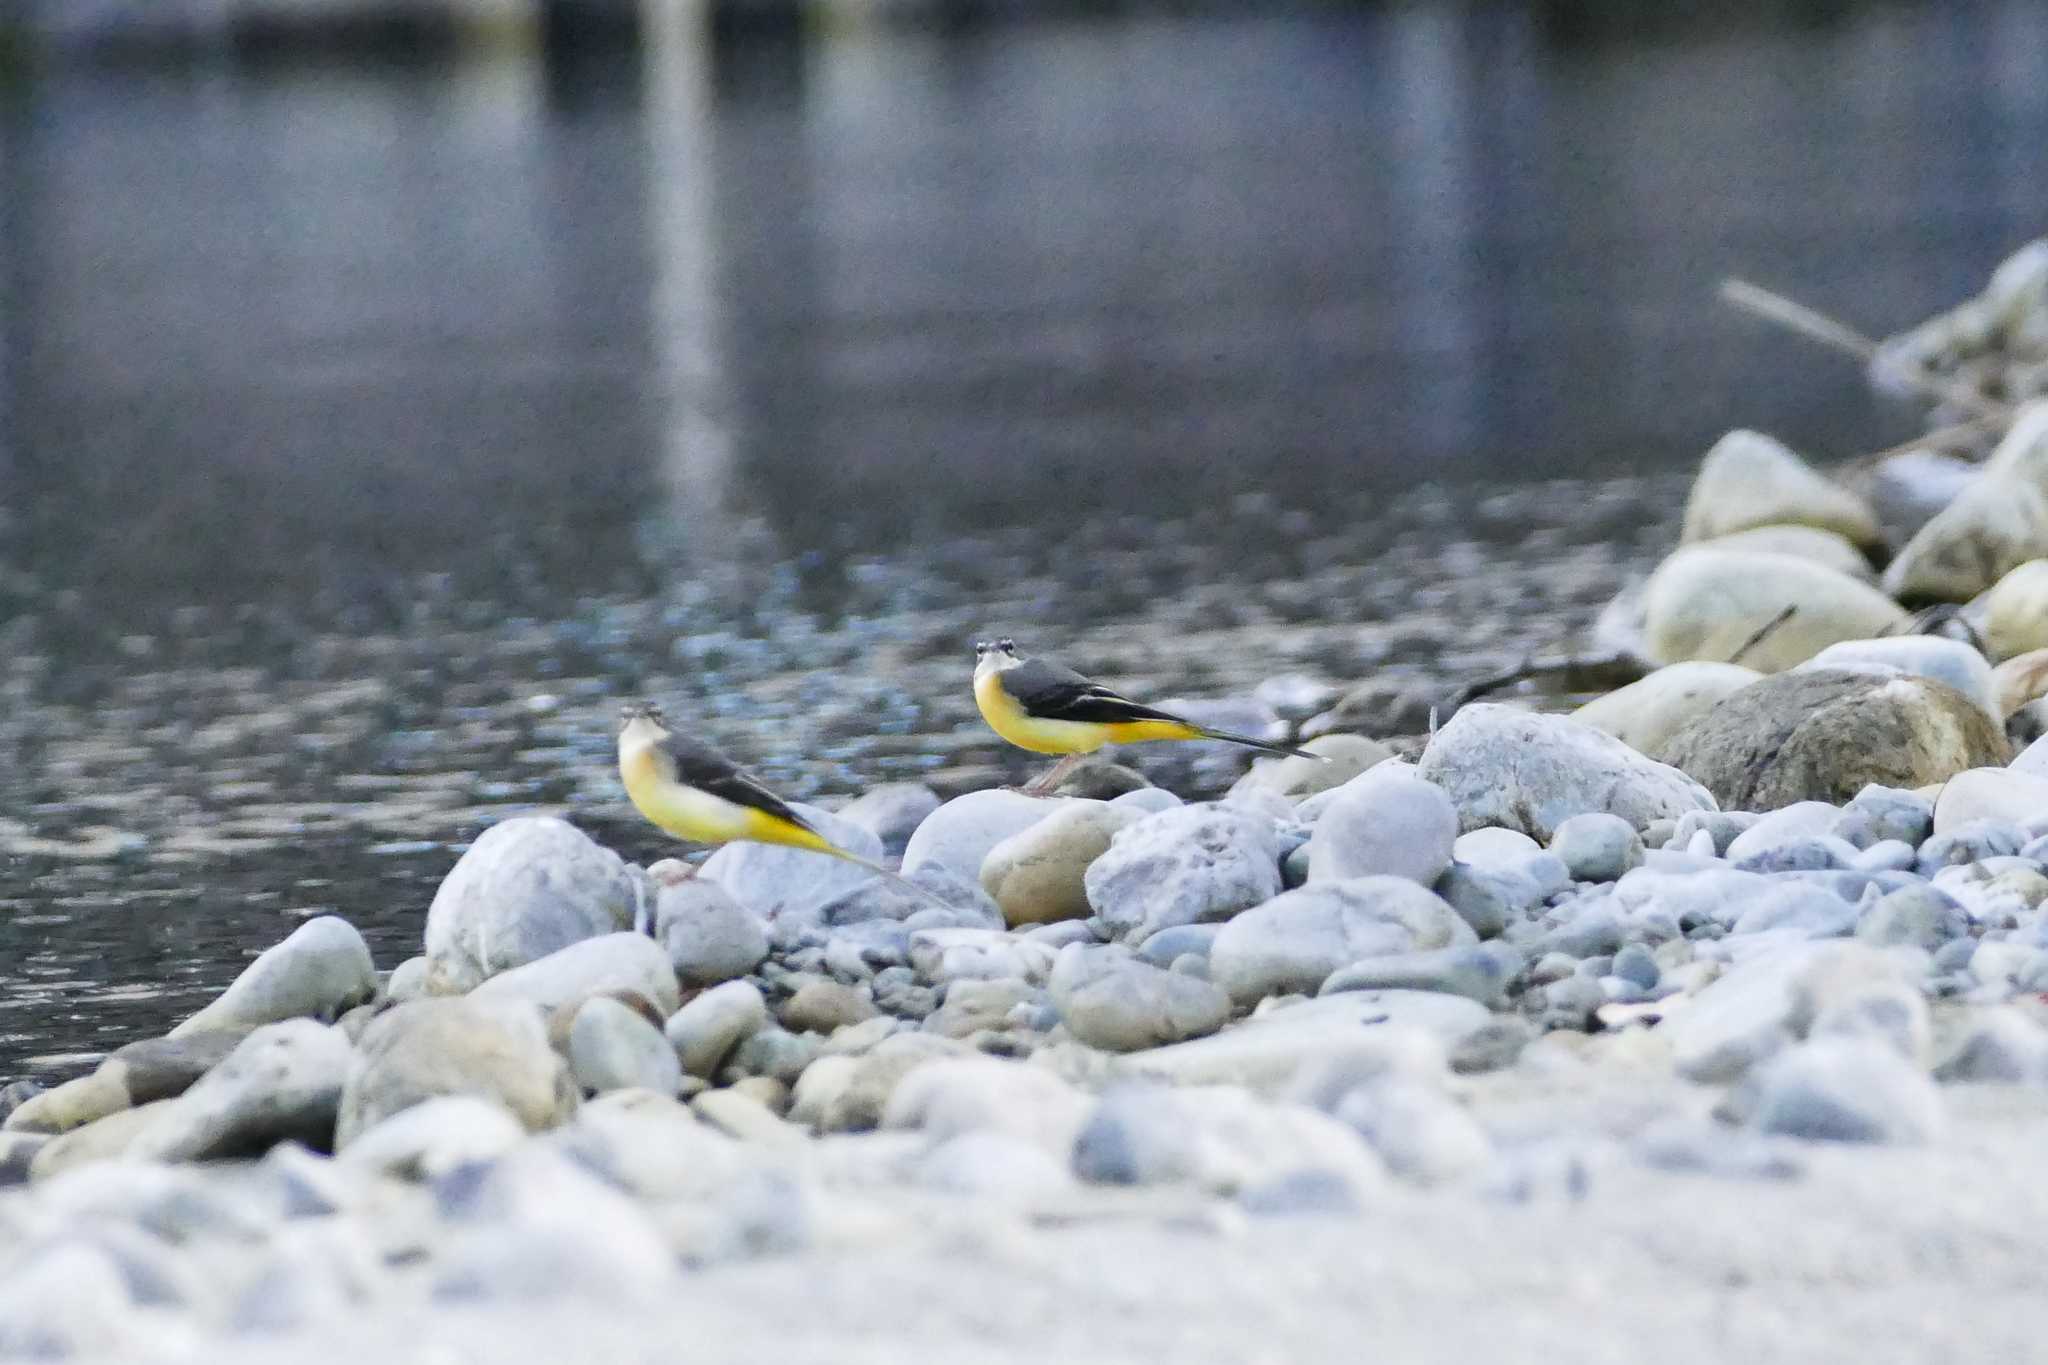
point(1048, 709)
point(698, 794)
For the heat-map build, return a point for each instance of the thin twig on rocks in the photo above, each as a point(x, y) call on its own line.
point(1763, 633)
point(1818, 326)
point(1570, 673)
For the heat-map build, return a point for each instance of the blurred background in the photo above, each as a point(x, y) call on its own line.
point(388, 388)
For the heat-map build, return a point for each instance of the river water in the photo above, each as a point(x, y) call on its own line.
point(367, 431)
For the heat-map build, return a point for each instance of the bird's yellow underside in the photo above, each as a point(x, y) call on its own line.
point(1040, 736)
point(700, 817)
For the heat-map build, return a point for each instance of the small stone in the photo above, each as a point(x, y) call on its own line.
point(975, 1006)
point(1097, 778)
point(1110, 1000)
point(1493, 847)
point(1294, 941)
point(740, 1115)
point(100, 1140)
point(281, 1083)
point(2003, 1046)
point(1847, 1090)
point(772, 1052)
point(992, 1166)
point(1216, 1139)
point(1917, 915)
point(1807, 853)
point(891, 812)
point(1269, 1051)
point(1890, 1013)
point(434, 1137)
point(1419, 1132)
point(951, 1097)
point(1877, 814)
point(1189, 865)
point(1493, 1046)
point(2000, 795)
point(613, 1047)
point(709, 936)
point(1481, 972)
point(959, 834)
point(821, 1006)
point(318, 972)
point(1998, 522)
point(408, 981)
point(1037, 875)
point(1597, 847)
point(494, 1049)
point(1922, 656)
point(1385, 822)
point(527, 887)
point(1489, 899)
point(860, 1104)
point(704, 1031)
point(609, 963)
point(1970, 843)
point(1636, 964)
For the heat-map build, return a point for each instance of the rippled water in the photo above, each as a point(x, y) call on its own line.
point(367, 433)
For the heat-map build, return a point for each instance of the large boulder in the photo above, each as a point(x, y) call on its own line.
point(527, 887)
point(1749, 479)
point(1995, 525)
point(494, 1049)
point(1295, 941)
point(1189, 865)
point(1825, 735)
point(1530, 773)
point(1650, 710)
point(2016, 611)
point(1710, 603)
point(319, 972)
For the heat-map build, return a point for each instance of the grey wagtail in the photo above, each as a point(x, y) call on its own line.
point(696, 793)
point(1048, 709)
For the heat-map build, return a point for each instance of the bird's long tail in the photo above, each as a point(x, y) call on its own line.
point(1261, 745)
point(923, 892)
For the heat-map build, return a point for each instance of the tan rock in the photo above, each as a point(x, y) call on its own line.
point(1995, 525)
point(1749, 479)
point(1803, 542)
point(2016, 611)
point(1707, 603)
point(1036, 875)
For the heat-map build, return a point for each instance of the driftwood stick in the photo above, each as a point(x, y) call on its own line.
point(1566, 673)
point(1818, 326)
point(1763, 633)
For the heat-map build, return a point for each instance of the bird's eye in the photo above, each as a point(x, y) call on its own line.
point(980, 648)
point(1007, 645)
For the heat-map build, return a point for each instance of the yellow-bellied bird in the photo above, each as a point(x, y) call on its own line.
point(698, 794)
point(1048, 709)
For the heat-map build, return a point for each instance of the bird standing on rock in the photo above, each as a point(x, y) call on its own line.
point(1048, 709)
point(697, 794)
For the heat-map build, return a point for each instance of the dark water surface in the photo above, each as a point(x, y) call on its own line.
point(365, 434)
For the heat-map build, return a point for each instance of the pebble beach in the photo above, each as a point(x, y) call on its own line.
point(1703, 1017)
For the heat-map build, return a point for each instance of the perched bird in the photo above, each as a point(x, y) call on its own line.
point(1048, 709)
point(698, 794)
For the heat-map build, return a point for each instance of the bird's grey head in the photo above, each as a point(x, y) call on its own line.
point(1004, 648)
point(641, 710)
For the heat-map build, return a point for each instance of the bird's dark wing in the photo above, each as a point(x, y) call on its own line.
point(703, 767)
point(1050, 692)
